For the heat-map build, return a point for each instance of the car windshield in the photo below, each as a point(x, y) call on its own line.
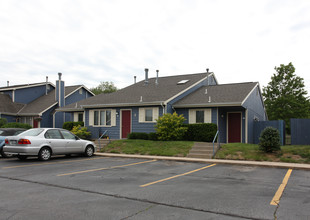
point(31, 132)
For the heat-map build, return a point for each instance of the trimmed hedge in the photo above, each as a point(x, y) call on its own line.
point(16, 125)
point(138, 135)
point(269, 140)
point(200, 132)
point(70, 124)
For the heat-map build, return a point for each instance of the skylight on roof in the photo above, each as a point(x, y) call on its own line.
point(182, 82)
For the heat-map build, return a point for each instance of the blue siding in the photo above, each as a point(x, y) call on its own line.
point(47, 118)
point(114, 131)
point(28, 95)
point(256, 111)
point(76, 96)
point(184, 112)
point(9, 118)
point(8, 93)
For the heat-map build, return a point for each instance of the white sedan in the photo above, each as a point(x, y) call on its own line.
point(44, 142)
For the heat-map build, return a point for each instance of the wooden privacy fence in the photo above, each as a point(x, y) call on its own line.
point(300, 131)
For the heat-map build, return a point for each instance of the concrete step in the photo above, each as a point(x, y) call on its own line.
point(206, 156)
point(202, 148)
point(194, 151)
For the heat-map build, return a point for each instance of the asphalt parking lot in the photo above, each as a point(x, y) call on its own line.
point(120, 188)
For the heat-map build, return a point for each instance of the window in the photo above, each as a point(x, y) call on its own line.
point(200, 116)
point(96, 117)
point(53, 134)
point(81, 91)
point(103, 117)
point(80, 116)
point(148, 114)
point(67, 135)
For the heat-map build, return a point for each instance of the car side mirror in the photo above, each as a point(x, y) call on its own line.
point(77, 138)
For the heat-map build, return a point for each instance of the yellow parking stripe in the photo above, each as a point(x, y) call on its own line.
point(169, 178)
point(106, 168)
point(276, 199)
point(47, 163)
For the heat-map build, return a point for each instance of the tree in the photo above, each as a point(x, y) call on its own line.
point(104, 87)
point(285, 96)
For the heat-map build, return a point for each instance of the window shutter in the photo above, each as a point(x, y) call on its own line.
point(141, 115)
point(192, 116)
point(113, 117)
point(155, 114)
point(91, 117)
point(207, 115)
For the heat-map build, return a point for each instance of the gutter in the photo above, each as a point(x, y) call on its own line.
point(229, 104)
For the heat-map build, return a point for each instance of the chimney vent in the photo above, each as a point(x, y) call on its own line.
point(135, 79)
point(146, 76)
point(46, 86)
point(207, 70)
point(8, 83)
point(156, 82)
point(59, 75)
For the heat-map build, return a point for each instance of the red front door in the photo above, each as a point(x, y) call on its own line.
point(234, 127)
point(126, 123)
point(35, 123)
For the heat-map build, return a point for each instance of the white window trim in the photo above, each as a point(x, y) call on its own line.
point(207, 115)
point(155, 115)
point(91, 118)
point(76, 116)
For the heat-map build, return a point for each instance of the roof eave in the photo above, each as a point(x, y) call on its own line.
point(220, 104)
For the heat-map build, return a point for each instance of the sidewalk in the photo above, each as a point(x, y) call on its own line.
point(217, 161)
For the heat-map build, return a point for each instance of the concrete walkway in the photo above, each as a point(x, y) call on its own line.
point(217, 161)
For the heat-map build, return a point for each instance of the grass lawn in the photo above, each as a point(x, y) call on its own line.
point(288, 153)
point(145, 147)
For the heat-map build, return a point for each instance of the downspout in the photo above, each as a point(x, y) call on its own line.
point(54, 119)
point(162, 105)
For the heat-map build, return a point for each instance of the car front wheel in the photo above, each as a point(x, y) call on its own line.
point(45, 154)
point(89, 151)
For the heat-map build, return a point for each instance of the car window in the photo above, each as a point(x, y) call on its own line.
point(53, 134)
point(18, 132)
point(67, 135)
point(32, 132)
point(2, 133)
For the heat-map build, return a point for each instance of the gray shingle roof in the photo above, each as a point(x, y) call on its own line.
point(217, 95)
point(8, 106)
point(151, 93)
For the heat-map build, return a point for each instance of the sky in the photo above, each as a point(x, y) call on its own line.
point(90, 41)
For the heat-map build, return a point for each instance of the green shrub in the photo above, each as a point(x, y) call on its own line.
point(269, 140)
point(169, 127)
point(16, 125)
point(70, 124)
point(138, 135)
point(81, 132)
point(153, 136)
point(3, 121)
point(200, 132)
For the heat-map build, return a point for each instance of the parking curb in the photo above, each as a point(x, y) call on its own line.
point(217, 161)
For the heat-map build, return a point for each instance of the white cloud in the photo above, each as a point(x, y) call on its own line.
point(92, 41)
